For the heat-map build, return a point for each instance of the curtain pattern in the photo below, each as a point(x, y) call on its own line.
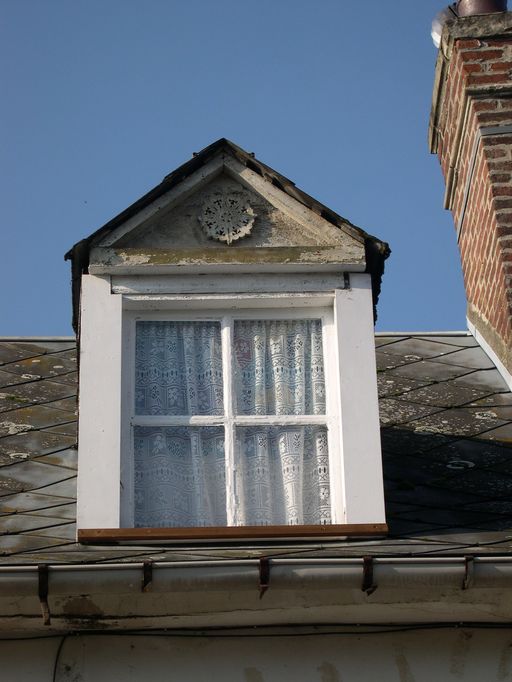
point(279, 367)
point(179, 476)
point(281, 472)
point(283, 475)
point(178, 368)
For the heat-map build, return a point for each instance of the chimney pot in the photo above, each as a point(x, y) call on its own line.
point(469, 8)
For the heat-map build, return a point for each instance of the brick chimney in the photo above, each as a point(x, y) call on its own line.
point(471, 132)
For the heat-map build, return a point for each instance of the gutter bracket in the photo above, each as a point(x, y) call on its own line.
point(147, 575)
point(346, 280)
point(264, 571)
point(42, 574)
point(469, 572)
point(368, 585)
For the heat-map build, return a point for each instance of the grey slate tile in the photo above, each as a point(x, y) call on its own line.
point(33, 502)
point(13, 352)
point(20, 523)
point(445, 394)
point(434, 496)
point(12, 544)
point(393, 385)
point(32, 393)
point(490, 379)
point(386, 340)
point(395, 411)
point(31, 474)
point(421, 348)
point(67, 404)
point(63, 458)
point(42, 366)
point(30, 444)
point(8, 379)
point(468, 453)
point(456, 423)
point(452, 518)
point(502, 434)
point(494, 399)
point(466, 340)
point(71, 378)
point(502, 412)
point(410, 471)
point(387, 361)
point(404, 440)
point(62, 511)
point(491, 486)
point(64, 532)
point(33, 417)
point(475, 358)
point(65, 488)
point(66, 429)
point(430, 370)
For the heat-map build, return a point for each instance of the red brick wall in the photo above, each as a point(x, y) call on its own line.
point(477, 94)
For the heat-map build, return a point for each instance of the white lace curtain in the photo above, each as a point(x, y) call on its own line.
point(281, 472)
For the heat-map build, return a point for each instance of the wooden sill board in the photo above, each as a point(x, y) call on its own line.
point(109, 535)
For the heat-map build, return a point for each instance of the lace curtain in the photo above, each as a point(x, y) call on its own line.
point(178, 368)
point(281, 473)
point(279, 367)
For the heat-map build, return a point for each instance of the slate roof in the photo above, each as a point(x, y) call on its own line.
point(446, 418)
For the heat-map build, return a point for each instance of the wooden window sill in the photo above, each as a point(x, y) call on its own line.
point(115, 535)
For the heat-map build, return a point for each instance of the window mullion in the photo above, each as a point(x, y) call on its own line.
point(229, 398)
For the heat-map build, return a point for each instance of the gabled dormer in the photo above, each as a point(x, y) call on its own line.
point(227, 372)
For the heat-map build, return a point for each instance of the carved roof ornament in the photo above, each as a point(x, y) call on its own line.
point(227, 217)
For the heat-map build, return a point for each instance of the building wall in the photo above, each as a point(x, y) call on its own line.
point(416, 656)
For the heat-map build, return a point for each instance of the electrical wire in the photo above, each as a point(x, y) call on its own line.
point(250, 631)
point(57, 658)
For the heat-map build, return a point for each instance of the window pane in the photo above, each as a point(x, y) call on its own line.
point(279, 367)
point(282, 475)
point(179, 476)
point(178, 368)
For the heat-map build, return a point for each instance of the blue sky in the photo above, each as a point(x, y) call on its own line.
point(102, 98)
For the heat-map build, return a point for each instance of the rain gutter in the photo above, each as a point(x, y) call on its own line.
point(366, 573)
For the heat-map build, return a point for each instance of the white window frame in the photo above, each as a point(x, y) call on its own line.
point(106, 315)
point(229, 420)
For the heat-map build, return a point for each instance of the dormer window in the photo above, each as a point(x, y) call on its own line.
point(227, 388)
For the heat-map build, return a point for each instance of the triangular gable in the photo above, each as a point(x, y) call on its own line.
point(165, 228)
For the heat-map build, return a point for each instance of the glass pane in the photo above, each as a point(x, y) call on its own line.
point(179, 476)
point(282, 475)
point(178, 368)
point(279, 367)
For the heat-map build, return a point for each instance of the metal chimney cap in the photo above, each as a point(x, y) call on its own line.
point(469, 8)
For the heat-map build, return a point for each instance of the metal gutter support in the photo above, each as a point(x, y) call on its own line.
point(264, 569)
point(42, 572)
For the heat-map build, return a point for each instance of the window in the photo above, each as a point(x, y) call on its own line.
point(230, 420)
point(243, 414)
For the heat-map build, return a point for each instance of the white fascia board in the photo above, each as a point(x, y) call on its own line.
point(220, 284)
point(360, 428)
point(490, 353)
point(98, 485)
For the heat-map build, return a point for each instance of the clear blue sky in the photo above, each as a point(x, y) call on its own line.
point(102, 98)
